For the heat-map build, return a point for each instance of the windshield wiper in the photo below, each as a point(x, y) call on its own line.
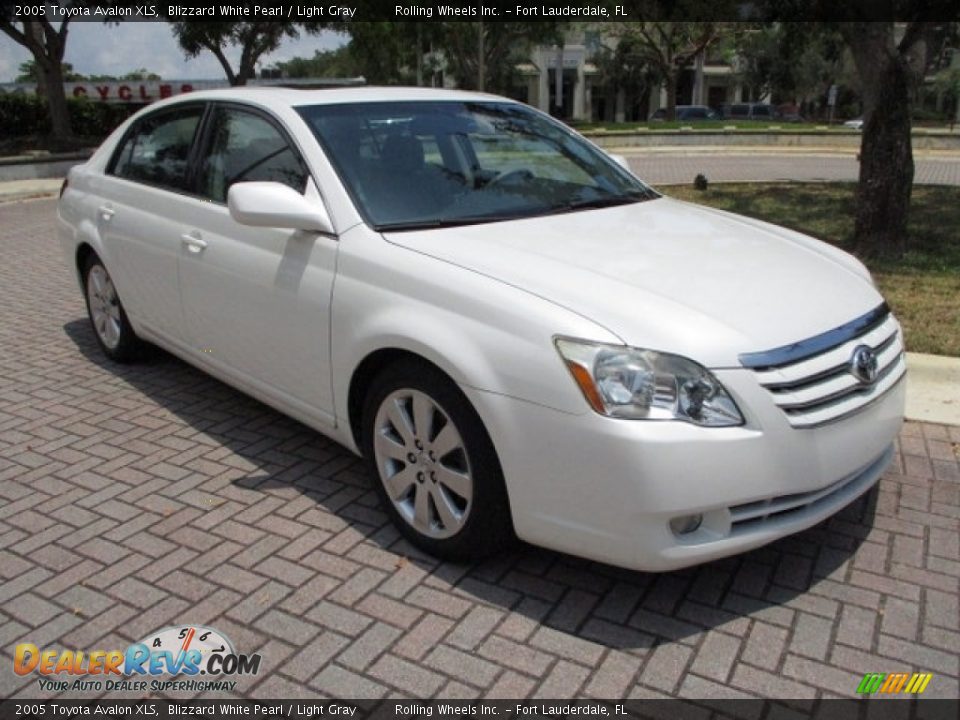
point(600, 202)
point(430, 223)
point(416, 225)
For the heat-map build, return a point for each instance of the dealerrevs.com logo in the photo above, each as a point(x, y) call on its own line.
point(186, 650)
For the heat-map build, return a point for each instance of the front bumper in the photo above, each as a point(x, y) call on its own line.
point(606, 489)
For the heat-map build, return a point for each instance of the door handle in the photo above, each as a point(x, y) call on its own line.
point(106, 212)
point(193, 242)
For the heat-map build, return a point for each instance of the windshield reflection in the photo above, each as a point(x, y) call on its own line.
point(412, 165)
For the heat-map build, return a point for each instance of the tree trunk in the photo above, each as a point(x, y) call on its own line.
point(56, 101)
point(886, 166)
point(224, 63)
point(481, 58)
point(47, 48)
point(886, 155)
point(671, 95)
point(246, 71)
point(419, 58)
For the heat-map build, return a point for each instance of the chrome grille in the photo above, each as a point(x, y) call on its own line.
point(811, 380)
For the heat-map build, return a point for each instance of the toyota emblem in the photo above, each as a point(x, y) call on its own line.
point(863, 364)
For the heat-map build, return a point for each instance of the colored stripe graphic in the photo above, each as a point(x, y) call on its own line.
point(871, 683)
point(893, 683)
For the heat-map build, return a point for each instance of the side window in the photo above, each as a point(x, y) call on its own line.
point(246, 147)
point(156, 151)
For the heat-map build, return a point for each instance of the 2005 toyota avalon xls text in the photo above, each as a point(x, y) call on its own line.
point(519, 336)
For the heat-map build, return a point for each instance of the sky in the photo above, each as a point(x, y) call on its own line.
point(96, 49)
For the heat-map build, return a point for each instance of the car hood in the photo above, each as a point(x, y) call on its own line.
point(667, 275)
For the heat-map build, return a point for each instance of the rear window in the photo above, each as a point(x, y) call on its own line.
point(156, 151)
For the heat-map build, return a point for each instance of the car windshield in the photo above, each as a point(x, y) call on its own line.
point(412, 165)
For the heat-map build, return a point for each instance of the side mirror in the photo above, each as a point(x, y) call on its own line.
point(621, 161)
point(273, 204)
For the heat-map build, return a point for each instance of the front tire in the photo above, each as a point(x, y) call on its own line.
point(434, 466)
point(111, 327)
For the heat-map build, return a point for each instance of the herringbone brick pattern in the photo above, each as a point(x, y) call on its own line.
point(136, 497)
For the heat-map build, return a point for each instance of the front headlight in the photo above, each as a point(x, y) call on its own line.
point(625, 382)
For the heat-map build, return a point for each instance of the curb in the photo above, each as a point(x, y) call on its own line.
point(933, 389)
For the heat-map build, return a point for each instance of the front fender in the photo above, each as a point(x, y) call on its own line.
point(483, 333)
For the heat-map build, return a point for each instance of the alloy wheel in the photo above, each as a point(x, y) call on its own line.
point(104, 306)
point(423, 464)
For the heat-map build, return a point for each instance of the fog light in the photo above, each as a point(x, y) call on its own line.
point(686, 524)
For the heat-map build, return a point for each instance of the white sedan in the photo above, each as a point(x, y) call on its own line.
point(520, 337)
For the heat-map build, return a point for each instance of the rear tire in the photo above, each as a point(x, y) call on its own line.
point(434, 465)
point(111, 327)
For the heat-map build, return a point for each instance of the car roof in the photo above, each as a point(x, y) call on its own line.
point(295, 97)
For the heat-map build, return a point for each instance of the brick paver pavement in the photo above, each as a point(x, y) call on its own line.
point(681, 167)
point(137, 497)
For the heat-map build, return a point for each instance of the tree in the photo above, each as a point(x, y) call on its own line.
point(139, 74)
point(478, 55)
point(668, 41)
point(47, 43)
point(337, 63)
point(253, 38)
point(483, 56)
point(624, 67)
point(891, 68)
point(891, 61)
point(390, 53)
point(796, 61)
point(30, 72)
point(670, 47)
point(947, 83)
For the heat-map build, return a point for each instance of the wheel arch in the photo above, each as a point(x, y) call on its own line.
point(381, 360)
point(367, 371)
point(84, 252)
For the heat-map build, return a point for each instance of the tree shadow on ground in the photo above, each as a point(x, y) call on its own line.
point(553, 595)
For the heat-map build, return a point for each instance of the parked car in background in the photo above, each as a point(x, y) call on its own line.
point(855, 124)
point(749, 111)
point(515, 332)
point(688, 113)
point(789, 112)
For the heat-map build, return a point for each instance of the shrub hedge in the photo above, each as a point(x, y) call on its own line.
point(22, 115)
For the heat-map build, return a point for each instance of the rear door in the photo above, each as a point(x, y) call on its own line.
point(256, 301)
point(140, 195)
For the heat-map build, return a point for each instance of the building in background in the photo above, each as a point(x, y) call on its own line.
point(565, 82)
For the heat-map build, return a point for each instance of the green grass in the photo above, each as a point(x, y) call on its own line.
point(923, 287)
